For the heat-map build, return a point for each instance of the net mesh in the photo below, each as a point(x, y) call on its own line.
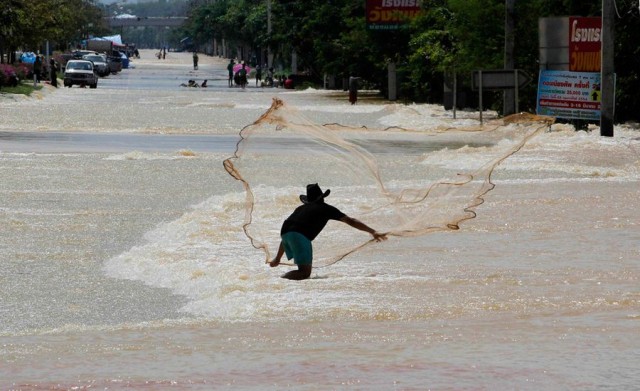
point(404, 186)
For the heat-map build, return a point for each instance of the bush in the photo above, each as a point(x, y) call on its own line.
point(8, 76)
point(7, 73)
point(23, 71)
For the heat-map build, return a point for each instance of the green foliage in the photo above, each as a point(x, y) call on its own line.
point(27, 24)
point(238, 21)
point(479, 30)
point(331, 36)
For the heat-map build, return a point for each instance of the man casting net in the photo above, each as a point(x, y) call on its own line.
point(392, 178)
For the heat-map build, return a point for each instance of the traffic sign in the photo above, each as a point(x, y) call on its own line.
point(500, 79)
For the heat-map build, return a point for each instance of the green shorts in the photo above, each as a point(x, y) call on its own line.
point(298, 247)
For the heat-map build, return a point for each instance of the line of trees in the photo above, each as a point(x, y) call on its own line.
point(26, 25)
point(331, 37)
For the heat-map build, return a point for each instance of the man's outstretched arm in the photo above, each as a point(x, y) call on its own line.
point(363, 227)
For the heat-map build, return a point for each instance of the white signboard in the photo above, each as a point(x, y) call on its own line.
point(571, 95)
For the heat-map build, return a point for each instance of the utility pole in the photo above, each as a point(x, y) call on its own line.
point(509, 103)
point(607, 75)
point(269, 59)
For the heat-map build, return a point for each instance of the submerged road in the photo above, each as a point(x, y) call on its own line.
point(72, 142)
point(76, 142)
point(145, 109)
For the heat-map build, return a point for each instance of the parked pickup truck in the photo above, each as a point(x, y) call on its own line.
point(80, 72)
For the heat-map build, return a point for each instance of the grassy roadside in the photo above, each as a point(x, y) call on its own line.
point(23, 88)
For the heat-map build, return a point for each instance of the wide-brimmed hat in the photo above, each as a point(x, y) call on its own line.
point(314, 193)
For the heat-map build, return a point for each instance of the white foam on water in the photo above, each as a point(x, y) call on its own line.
point(205, 256)
point(427, 117)
point(584, 154)
point(202, 255)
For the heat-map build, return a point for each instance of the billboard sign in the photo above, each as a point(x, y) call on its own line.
point(390, 14)
point(571, 95)
point(585, 44)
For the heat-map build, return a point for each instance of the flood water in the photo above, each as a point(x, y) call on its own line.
point(123, 262)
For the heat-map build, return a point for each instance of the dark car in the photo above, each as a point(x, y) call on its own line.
point(115, 63)
point(99, 63)
point(80, 72)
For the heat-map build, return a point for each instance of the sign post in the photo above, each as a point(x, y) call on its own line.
point(499, 79)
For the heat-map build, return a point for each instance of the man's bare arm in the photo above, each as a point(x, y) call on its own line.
point(357, 224)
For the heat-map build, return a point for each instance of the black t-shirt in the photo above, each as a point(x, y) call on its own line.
point(310, 219)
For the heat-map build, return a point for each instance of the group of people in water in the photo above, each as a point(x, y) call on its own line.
point(239, 76)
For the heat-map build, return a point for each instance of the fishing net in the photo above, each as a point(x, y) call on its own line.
point(401, 181)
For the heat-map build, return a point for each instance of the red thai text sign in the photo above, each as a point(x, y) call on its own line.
point(585, 44)
point(390, 14)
